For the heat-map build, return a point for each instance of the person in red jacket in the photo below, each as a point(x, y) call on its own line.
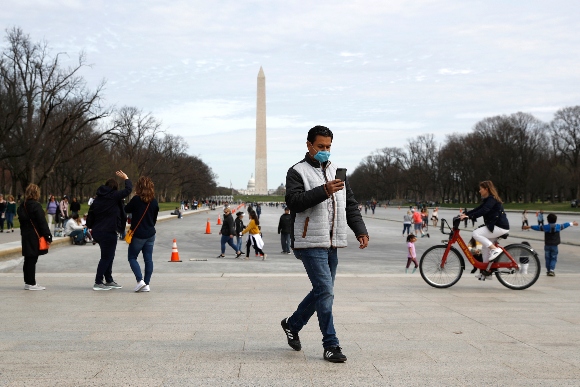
point(418, 222)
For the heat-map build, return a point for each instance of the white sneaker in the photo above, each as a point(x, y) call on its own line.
point(145, 288)
point(36, 287)
point(26, 286)
point(494, 253)
point(264, 257)
point(140, 285)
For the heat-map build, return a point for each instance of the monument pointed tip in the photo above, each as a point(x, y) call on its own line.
point(261, 73)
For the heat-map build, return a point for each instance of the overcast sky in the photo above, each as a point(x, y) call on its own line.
point(377, 73)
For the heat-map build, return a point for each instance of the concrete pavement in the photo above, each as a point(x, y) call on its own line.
point(217, 322)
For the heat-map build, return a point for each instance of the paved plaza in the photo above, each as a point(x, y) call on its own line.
point(210, 321)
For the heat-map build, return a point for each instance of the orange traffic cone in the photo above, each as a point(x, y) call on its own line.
point(175, 253)
point(219, 221)
point(207, 227)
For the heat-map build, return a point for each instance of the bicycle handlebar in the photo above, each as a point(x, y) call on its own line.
point(456, 221)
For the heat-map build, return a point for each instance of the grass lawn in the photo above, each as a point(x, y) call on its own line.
point(260, 198)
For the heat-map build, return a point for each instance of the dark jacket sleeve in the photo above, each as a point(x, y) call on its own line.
point(39, 221)
point(482, 209)
point(231, 226)
point(353, 215)
point(121, 194)
point(280, 224)
point(297, 198)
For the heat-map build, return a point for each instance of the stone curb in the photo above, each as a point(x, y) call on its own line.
point(15, 248)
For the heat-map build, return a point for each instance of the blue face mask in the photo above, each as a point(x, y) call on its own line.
point(321, 156)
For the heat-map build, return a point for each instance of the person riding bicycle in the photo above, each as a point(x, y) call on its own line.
point(495, 220)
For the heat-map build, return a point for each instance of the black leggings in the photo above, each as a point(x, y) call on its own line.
point(29, 270)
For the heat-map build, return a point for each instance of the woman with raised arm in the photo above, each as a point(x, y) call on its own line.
point(494, 218)
point(108, 219)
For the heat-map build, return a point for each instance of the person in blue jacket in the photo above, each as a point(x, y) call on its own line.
point(551, 240)
point(109, 218)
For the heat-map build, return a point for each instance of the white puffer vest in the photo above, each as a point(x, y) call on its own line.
point(312, 227)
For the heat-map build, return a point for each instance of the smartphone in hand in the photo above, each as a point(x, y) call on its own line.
point(341, 174)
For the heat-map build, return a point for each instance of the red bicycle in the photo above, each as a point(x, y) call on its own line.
point(441, 266)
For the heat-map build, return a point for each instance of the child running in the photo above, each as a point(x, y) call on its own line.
point(255, 238)
point(411, 255)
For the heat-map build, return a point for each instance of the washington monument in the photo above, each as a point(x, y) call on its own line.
point(261, 150)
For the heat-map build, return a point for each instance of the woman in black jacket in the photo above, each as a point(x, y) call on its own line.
point(494, 218)
point(109, 219)
point(144, 209)
point(227, 232)
point(31, 217)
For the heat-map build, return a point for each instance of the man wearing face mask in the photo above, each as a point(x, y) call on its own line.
point(321, 208)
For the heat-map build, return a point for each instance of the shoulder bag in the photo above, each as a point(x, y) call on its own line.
point(129, 235)
point(43, 245)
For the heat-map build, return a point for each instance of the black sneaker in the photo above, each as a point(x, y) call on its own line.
point(334, 355)
point(293, 339)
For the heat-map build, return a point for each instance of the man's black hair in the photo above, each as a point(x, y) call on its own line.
point(552, 218)
point(318, 130)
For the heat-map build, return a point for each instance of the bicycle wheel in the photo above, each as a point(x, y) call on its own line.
point(437, 276)
point(523, 278)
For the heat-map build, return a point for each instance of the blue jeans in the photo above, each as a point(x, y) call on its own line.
point(78, 235)
point(239, 241)
point(320, 265)
point(230, 241)
point(551, 253)
point(146, 246)
point(9, 221)
point(406, 227)
point(285, 240)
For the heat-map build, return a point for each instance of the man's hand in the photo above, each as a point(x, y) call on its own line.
point(334, 186)
point(363, 240)
point(463, 216)
point(575, 223)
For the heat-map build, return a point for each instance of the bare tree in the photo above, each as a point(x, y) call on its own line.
point(48, 106)
point(565, 130)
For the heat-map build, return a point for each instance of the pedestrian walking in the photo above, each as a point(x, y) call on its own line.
point(258, 210)
point(239, 225)
point(524, 219)
point(32, 226)
point(144, 209)
point(75, 207)
point(541, 218)
point(411, 254)
point(63, 211)
point(51, 209)
point(108, 219)
point(435, 216)
point(407, 221)
point(418, 225)
point(227, 232)
point(255, 237)
point(285, 229)
point(551, 240)
point(321, 208)
point(3, 205)
point(10, 213)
